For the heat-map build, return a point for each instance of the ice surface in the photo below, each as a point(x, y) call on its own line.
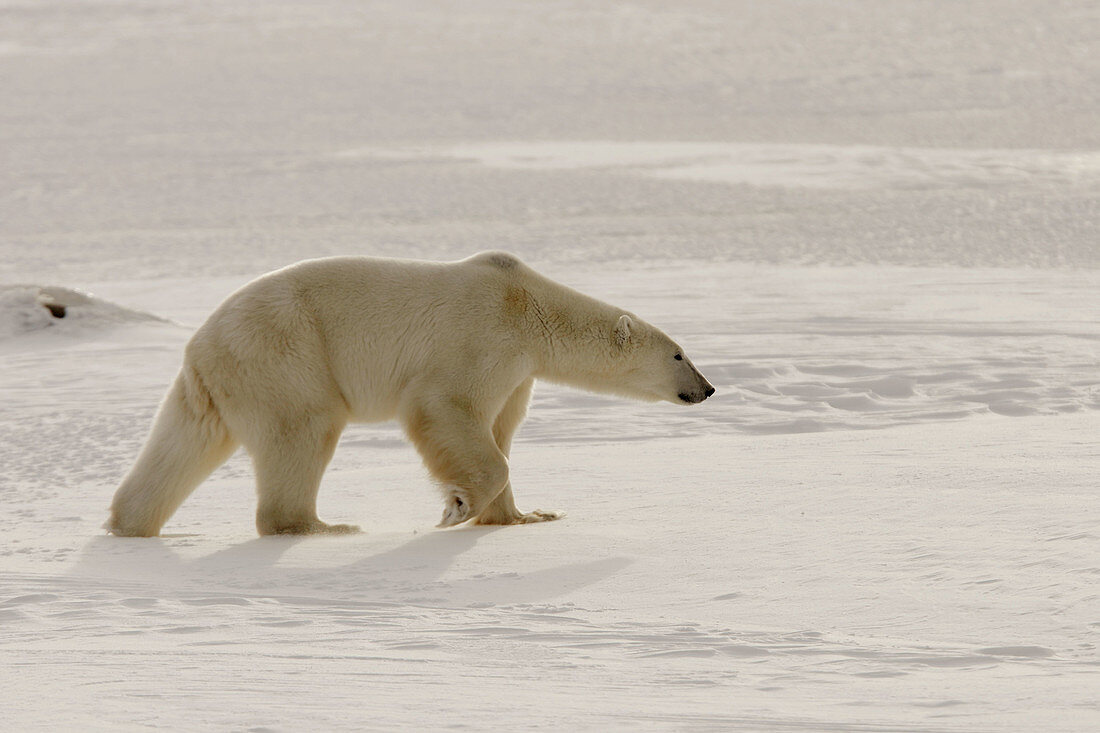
point(871, 224)
point(796, 166)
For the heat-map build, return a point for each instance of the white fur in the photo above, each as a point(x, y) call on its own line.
point(449, 349)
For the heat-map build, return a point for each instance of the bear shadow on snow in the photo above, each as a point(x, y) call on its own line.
point(413, 567)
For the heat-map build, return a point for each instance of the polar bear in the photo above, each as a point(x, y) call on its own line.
point(450, 349)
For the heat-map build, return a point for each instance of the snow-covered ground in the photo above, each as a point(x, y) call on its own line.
point(872, 224)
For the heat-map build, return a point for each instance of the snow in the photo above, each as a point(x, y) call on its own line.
point(813, 166)
point(872, 225)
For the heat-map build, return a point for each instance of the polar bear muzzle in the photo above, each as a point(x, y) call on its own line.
point(696, 398)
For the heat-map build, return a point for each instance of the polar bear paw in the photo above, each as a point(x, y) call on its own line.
point(539, 516)
point(304, 527)
point(456, 510)
point(490, 518)
point(323, 528)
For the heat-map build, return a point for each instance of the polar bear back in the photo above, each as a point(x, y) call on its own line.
point(364, 329)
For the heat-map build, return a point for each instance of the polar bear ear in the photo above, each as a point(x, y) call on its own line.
point(622, 330)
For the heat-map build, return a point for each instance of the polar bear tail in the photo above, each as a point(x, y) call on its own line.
point(188, 440)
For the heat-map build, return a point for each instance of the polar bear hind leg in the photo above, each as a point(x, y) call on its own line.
point(289, 457)
point(188, 441)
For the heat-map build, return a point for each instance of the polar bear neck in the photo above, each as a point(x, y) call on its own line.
point(569, 334)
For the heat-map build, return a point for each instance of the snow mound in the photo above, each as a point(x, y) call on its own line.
point(28, 309)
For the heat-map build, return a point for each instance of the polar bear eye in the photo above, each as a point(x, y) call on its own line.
point(678, 357)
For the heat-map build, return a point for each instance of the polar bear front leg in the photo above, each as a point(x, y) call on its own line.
point(503, 509)
point(459, 451)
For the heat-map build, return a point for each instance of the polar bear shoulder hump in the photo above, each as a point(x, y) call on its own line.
point(500, 260)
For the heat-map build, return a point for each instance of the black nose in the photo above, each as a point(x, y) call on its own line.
point(709, 391)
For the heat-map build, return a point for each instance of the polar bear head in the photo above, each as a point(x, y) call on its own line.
point(650, 366)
